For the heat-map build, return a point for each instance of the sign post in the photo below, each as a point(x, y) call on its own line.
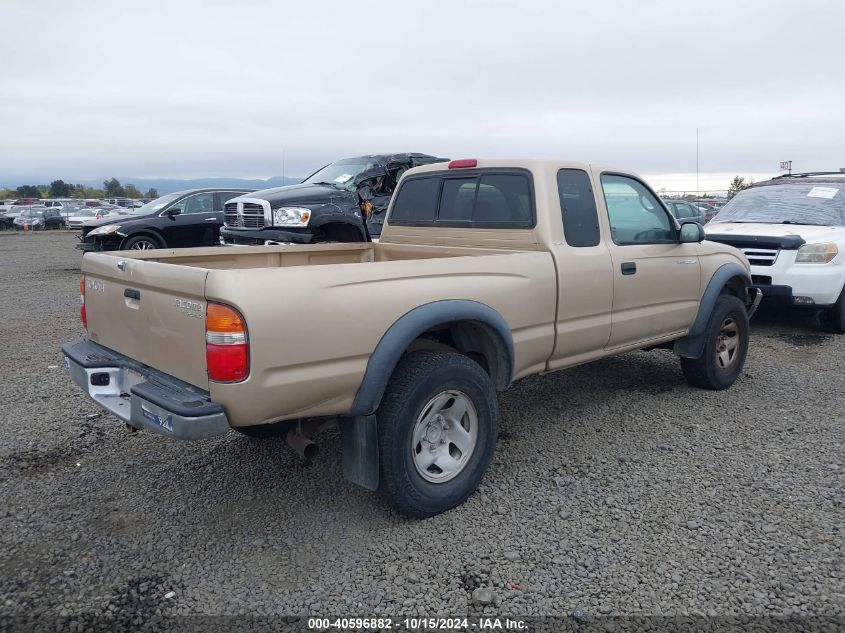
point(786, 165)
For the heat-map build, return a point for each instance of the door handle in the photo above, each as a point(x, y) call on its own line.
point(629, 268)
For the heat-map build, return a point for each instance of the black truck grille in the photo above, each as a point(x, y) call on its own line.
point(230, 214)
point(253, 216)
point(250, 216)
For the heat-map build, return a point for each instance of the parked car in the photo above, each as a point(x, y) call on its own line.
point(65, 206)
point(683, 210)
point(326, 207)
point(126, 203)
point(181, 219)
point(475, 282)
point(82, 215)
point(792, 230)
point(7, 220)
point(39, 218)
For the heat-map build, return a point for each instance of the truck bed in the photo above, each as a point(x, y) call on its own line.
point(313, 331)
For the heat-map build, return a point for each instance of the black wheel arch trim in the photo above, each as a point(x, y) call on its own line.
point(416, 322)
point(692, 345)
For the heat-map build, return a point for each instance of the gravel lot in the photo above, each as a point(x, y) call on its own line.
point(615, 490)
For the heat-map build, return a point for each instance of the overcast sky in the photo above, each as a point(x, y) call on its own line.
point(91, 89)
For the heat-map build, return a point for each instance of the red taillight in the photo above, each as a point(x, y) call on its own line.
point(226, 344)
point(82, 313)
point(463, 163)
point(227, 363)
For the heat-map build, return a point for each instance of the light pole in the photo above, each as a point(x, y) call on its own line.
point(697, 187)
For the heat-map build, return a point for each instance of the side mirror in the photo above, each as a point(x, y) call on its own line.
point(691, 232)
point(174, 211)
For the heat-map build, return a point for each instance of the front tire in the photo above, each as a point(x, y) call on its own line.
point(437, 424)
point(725, 347)
point(833, 318)
point(140, 243)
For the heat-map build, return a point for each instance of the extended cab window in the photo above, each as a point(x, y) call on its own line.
point(490, 199)
point(578, 207)
point(636, 217)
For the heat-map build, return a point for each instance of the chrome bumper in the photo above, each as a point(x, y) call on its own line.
point(143, 397)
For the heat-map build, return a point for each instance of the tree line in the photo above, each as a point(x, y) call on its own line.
point(61, 189)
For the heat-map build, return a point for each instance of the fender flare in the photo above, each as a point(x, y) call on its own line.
point(409, 327)
point(692, 345)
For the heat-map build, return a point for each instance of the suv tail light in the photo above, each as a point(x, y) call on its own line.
point(82, 314)
point(226, 344)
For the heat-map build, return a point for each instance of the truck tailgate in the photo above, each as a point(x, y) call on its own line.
point(151, 312)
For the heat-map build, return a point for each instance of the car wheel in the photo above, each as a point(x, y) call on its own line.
point(437, 427)
point(833, 318)
point(140, 243)
point(725, 346)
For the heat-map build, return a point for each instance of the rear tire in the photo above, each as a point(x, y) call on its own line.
point(725, 347)
point(437, 424)
point(833, 318)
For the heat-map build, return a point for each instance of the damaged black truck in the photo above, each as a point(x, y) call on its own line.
point(345, 201)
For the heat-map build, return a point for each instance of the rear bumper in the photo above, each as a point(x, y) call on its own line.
point(141, 396)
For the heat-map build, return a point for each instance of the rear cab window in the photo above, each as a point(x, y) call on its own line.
point(478, 198)
point(578, 208)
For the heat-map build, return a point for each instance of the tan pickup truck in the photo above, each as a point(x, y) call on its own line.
point(486, 272)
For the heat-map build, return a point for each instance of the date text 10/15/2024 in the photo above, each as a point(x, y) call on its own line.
point(417, 624)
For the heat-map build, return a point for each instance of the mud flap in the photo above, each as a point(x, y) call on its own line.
point(359, 438)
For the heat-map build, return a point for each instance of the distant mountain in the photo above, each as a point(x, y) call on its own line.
point(168, 185)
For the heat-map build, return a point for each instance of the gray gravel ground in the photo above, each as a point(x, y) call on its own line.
point(616, 490)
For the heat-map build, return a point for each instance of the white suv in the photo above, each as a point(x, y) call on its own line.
point(792, 230)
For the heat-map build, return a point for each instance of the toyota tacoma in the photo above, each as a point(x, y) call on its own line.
point(487, 271)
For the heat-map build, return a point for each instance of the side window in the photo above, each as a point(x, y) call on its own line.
point(416, 201)
point(578, 207)
point(224, 196)
point(636, 217)
point(200, 203)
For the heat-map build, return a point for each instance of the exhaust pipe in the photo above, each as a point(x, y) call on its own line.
point(302, 444)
